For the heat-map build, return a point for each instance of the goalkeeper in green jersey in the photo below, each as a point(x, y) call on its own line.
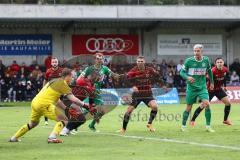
point(194, 72)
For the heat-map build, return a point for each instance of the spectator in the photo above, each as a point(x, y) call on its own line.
point(22, 79)
point(47, 62)
point(39, 82)
point(170, 79)
point(76, 71)
point(35, 72)
point(32, 66)
point(15, 67)
point(23, 70)
point(12, 83)
point(29, 91)
point(179, 82)
point(105, 62)
point(164, 66)
point(234, 79)
point(235, 66)
point(20, 92)
point(65, 64)
point(180, 65)
point(9, 72)
point(3, 90)
point(2, 69)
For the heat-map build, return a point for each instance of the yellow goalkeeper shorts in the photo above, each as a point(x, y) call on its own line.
point(39, 109)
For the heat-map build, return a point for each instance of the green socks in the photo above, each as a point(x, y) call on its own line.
point(185, 118)
point(208, 116)
point(92, 124)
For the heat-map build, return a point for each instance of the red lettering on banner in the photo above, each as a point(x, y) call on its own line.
point(236, 94)
point(230, 96)
point(106, 44)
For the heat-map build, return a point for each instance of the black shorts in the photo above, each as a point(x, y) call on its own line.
point(137, 99)
point(220, 94)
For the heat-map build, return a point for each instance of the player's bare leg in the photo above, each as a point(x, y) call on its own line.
point(153, 105)
point(227, 109)
point(126, 119)
point(23, 130)
point(72, 122)
point(195, 114)
point(185, 116)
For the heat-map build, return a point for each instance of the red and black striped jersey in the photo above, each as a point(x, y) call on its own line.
point(219, 77)
point(142, 78)
point(51, 74)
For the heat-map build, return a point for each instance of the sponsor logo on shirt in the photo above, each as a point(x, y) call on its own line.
point(197, 71)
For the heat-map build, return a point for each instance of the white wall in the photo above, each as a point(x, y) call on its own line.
point(63, 50)
point(150, 42)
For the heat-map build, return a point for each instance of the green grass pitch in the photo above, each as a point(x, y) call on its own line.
point(167, 143)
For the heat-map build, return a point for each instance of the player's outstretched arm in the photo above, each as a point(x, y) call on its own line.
point(75, 100)
point(61, 105)
point(115, 76)
point(210, 74)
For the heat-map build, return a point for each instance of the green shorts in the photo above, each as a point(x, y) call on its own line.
point(192, 96)
point(97, 100)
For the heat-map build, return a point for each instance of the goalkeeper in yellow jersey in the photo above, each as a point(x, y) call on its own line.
point(47, 103)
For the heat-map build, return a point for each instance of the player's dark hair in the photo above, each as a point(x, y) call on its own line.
point(218, 59)
point(66, 72)
point(55, 58)
point(140, 57)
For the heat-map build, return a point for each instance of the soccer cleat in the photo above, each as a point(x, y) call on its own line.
point(13, 139)
point(46, 123)
point(150, 128)
point(54, 140)
point(227, 122)
point(92, 128)
point(64, 132)
point(192, 123)
point(183, 128)
point(121, 131)
point(73, 132)
point(209, 129)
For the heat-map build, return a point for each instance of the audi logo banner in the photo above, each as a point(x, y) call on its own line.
point(107, 44)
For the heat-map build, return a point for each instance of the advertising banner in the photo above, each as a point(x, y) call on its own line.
point(30, 44)
point(181, 44)
point(108, 44)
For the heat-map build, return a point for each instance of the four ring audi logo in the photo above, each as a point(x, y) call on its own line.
point(108, 45)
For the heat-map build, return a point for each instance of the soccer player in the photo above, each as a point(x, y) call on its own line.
point(219, 75)
point(194, 71)
point(84, 89)
point(141, 92)
point(103, 72)
point(45, 103)
point(54, 72)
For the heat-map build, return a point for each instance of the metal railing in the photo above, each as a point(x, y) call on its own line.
point(124, 2)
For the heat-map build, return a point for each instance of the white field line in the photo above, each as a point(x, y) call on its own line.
point(162, 140)
point(168, 140)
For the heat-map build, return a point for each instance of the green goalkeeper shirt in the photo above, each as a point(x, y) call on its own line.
point(197, 70)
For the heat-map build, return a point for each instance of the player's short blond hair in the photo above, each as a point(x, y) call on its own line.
point(198, 46)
